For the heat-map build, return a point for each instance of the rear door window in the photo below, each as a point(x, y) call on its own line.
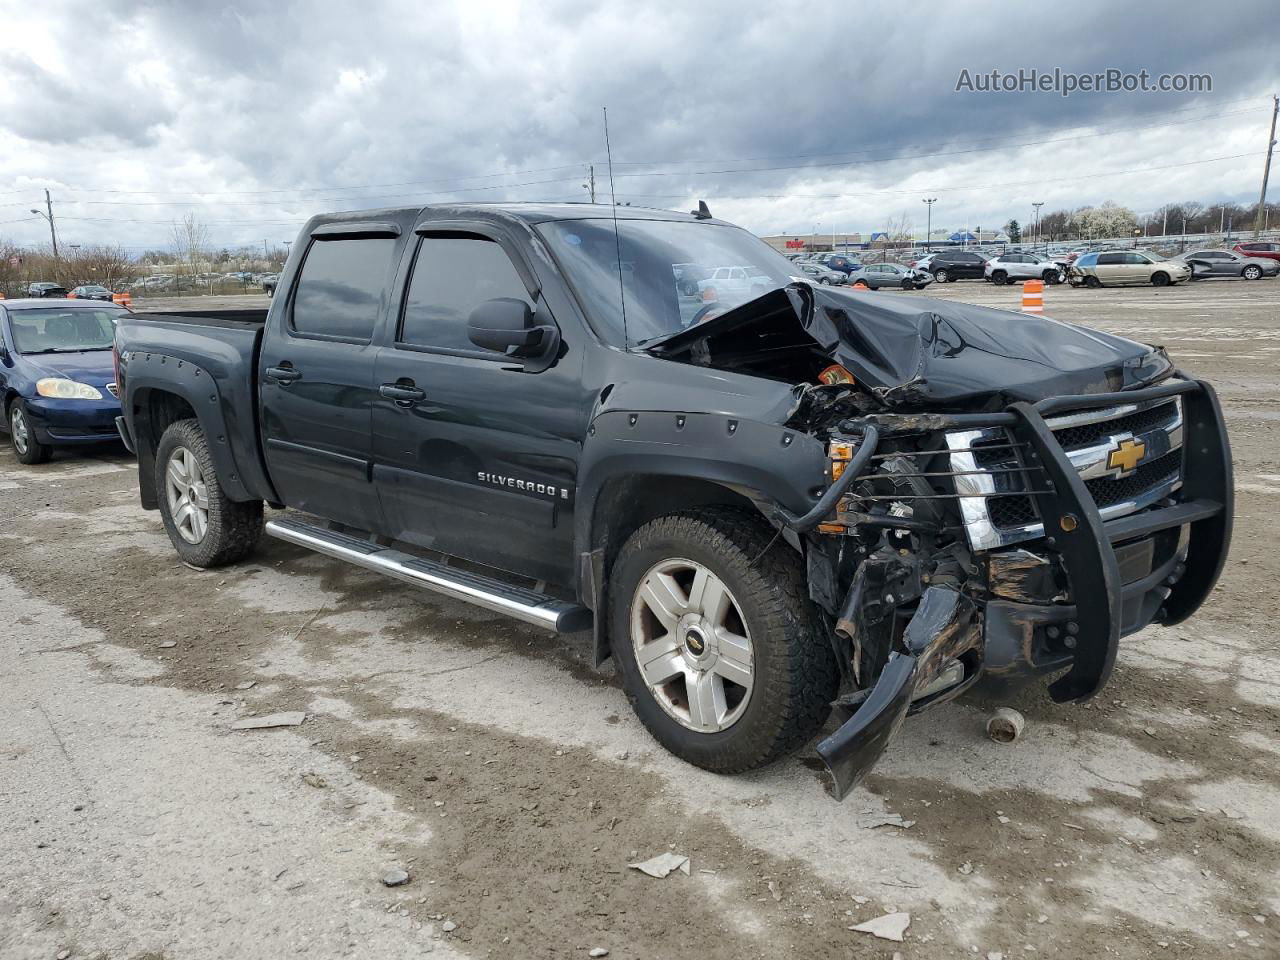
point(452, 275)
point(341, 288)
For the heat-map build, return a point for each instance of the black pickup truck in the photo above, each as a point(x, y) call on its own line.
point(768, 500)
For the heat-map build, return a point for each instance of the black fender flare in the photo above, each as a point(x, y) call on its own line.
point(767, 463)
point(241, 478)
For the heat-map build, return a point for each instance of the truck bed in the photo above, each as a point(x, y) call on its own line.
point(214, 318)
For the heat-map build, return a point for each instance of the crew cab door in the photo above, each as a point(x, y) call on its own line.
point(474, 455)
point(315, 377)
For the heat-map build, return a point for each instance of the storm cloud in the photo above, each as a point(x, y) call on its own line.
point(255, 116)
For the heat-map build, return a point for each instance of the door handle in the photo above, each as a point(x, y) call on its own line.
point(403, 394)
point(283, 375)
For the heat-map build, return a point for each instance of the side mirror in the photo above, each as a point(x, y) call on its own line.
point(507, 325)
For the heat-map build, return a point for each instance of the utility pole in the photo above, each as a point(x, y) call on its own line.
point(928, 230)
point(48, 215)
point(266, 254)
point(590, 185)
point(1164, 228)
point(1036, 207)
point(1266, 168)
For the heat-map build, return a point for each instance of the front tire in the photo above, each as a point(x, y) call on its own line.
point(1160, 279)
point(207, 528)
point(1092, 282)
point(1252, 272)
point(714, 636)
point(26, 447)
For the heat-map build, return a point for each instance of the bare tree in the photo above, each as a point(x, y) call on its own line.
point(190, 240)
point(107, 265)
point(899, 228)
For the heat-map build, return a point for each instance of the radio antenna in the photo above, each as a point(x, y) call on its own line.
point(617, 240)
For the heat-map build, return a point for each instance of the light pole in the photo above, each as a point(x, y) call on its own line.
point(928, 230)
point(1036, 207)
point(813, 244)
point(53, 233)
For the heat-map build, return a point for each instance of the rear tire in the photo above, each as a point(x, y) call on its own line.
point(767, 624)
point(942, 276)
point(207, 528)
point(26, 447)
point(1000, 277)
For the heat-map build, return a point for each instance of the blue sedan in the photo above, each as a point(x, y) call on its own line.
point(56, 375)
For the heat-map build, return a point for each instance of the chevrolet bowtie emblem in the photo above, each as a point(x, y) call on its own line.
point(1126, 456)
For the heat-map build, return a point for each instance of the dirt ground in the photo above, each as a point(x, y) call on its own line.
point(514, 786)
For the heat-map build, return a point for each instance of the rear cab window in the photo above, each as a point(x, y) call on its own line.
point(341, 288)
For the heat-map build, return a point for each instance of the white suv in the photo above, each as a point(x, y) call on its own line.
point(1009, 267)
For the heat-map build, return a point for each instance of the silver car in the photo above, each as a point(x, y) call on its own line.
point(817, 273)
point(877, 275)
point(1009, 267)
point(1206, 264)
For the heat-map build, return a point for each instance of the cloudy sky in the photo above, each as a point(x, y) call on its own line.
point(786, 118)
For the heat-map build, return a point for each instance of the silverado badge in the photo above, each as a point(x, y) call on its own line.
point(1125, 456)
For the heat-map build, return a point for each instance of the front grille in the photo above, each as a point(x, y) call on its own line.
point(1106, 491)
point(1137, 422)
point(1003, 513)
point(1012, 511)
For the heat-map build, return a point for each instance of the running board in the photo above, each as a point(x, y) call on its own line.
point(560, 616)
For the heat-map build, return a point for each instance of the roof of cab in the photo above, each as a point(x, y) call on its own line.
point(529, 212)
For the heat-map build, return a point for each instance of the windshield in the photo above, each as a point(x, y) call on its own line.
point(62, 331)
point(674, 273)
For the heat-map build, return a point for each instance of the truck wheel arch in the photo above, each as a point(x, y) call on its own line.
point(625, 503)
point(184, 391)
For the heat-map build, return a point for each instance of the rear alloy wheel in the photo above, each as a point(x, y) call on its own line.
point(28, 449)
point(1092, 282)
point(206, 527)
point(1252, 272)
point(942, 276)
point(1159, 279)
point(713, 633)
point(1000, 277)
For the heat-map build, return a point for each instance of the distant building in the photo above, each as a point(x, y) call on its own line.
point(815, 243)
point(978, 236)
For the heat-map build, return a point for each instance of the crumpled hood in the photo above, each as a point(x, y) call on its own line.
point(91, 366)
point(915, 352)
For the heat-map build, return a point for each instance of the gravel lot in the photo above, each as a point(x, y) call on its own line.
point(513, 785)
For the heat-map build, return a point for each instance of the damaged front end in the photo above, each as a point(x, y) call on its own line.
point(1007, 496)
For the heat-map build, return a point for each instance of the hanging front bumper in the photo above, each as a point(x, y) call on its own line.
point(1106, 598)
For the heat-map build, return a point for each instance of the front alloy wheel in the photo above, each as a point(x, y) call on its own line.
point(692, 645)
point(187, 494)
point(720, 651)
point(29, 450)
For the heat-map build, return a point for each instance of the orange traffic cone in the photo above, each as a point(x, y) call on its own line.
point(1033, 296)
